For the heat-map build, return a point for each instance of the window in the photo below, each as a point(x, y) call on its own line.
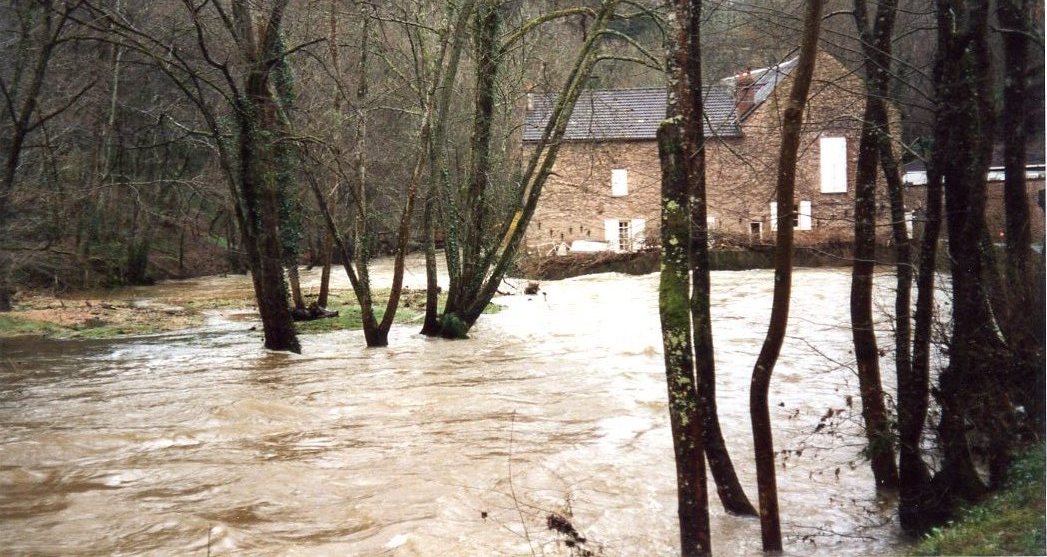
point(639, 233)
point(625, 235)
point(801, 216)
point(908, 224)
point(833, 159)
point(619, 182)
point(756, 230)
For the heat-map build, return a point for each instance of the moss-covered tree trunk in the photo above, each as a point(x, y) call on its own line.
point(876, 44)
point(792, 122)
point(257, 118)
point(258, 186)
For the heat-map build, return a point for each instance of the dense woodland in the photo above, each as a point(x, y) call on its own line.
point(147, 140)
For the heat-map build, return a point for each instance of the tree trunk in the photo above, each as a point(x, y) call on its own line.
point(876, 44)
point(792, 122)
point(325, 270)
point(966, 125)
point(431, 323)
point(495, 263)
point(918, 507)
point(6, 289)
point(486, 25)
point(913, 477)
point(257, 116)
point(1024, 329)
point(294, 281)
point(689, 92)
point(684, 409)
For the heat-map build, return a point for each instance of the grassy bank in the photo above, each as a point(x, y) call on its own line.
point(1011, 522)
point(107, 315)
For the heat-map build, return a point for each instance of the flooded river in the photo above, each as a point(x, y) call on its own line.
point(201, 442)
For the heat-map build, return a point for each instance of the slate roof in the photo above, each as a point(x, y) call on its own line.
point(635, 113)
point(627, 114)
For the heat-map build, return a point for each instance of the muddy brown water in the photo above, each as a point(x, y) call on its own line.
point(200, 441)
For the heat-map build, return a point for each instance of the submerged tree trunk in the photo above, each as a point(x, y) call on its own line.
point(918, 507)
point(690, 106)
point(685, 416)
point(876, 44)
point(256, 113)
point(477, 294)
point(261, 200)
point(792, 122)
point(966, 386)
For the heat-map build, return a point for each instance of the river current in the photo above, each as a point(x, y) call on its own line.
point(201, 442)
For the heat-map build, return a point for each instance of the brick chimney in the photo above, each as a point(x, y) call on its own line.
point(744, 92)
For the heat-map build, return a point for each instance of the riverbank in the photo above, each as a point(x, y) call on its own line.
point(1011, 522)
point(126, 312)
point(181, 305)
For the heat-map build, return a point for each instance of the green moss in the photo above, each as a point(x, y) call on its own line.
point(492, 309)
point(1011, 522)
point(12, 325)
point(453, 327)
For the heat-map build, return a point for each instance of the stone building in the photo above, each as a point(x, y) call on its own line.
point(604, 192)
point(915, 180)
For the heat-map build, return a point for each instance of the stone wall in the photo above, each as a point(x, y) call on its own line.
point(576, 201)
point(995, 215)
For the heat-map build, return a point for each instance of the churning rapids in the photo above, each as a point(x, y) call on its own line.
point(201, 442)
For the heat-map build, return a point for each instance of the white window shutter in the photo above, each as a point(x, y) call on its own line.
point(833, 159)
point(637, 228)
point(774, 215)
point(619, 182)
point(610, 233)
point(908, 224)
point(804, 220)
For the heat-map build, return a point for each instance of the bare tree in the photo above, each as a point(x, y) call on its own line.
point(1023, 329)
point(876, 45)
point(42, 29)
point(763, 441)
point(469, 294)
point(962, 151)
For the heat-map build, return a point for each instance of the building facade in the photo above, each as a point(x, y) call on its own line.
point(604, 192)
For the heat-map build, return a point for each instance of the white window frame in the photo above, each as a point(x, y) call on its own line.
point(804, 217)
point(619, 182)
point(638, 233)
point(832, 152)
